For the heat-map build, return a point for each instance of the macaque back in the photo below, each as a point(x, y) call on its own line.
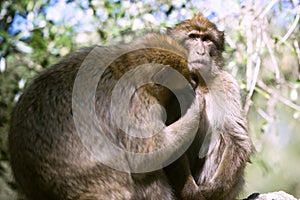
point(49, 159)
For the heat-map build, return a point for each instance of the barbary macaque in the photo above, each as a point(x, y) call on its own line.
point(157, 118)
point(62, 149)
point(217, 172)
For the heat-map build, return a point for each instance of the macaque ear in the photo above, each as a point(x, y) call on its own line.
point(200, 14)
point(221, 36)
point(169, 31)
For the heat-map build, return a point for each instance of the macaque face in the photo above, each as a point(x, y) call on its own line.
point(203, 41)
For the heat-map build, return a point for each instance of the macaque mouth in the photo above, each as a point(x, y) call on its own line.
point(200, 61)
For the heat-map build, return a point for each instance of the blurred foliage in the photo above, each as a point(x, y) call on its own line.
point(262, 51)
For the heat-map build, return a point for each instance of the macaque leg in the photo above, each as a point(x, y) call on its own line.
point(182, 181)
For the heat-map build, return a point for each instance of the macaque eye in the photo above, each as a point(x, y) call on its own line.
point(206, 38)
point(194, 35)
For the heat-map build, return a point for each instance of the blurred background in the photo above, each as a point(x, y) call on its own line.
point(262, 52)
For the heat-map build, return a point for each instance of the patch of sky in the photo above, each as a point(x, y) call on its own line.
point(114, 1)
point(71, 15)
point(131, 8)
point(160, 16)
point(164, 7)
point(20, 24)
point(84, 4)
point(150, 18)
point(102, 14)
point(68, 13)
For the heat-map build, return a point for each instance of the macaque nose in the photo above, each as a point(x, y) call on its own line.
point(201, 49)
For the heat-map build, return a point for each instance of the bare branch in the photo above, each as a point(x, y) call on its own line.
point(253, 84)
point(292, 28)
point(264, 115)
point(272, 92)
point(273, 57)
point(267, 9)
point(297, 49)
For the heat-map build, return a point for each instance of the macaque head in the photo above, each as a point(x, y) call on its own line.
point(203, 41)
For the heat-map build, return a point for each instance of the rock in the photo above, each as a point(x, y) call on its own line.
point(271, 196)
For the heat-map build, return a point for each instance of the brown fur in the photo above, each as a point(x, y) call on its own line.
point(217, 172)
point(50, 161)
point(48, 158)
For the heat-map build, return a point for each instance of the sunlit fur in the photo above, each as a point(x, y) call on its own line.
point(50, 162)
point(227, 148)
point(48, 159)
point(200, 24)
